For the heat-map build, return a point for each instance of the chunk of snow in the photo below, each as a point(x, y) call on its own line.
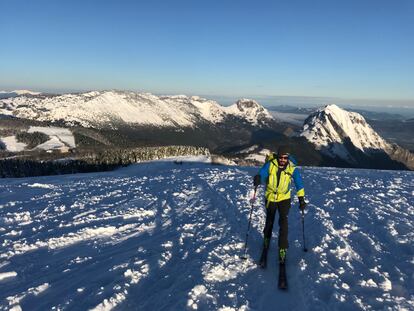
point(7, 275)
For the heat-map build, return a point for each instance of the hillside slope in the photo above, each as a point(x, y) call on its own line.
point(161, 236)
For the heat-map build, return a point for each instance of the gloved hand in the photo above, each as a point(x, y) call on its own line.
point(256, 180)
point(302, 203)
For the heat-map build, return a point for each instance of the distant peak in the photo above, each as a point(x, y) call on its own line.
point(245, 103)
point(250, 110)
point(92, 93)
point(21, 92)
point(332, 108)
point(330, 127)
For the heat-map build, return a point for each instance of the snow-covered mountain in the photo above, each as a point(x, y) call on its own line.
point(8, 94)
point(110, 108)
point(160, 236)
point(250, 110)
point(340, 133)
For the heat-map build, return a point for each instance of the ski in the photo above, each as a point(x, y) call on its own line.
point(263, 259)
point(282, 277)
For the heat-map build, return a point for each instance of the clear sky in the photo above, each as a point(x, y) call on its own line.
point(353, 49)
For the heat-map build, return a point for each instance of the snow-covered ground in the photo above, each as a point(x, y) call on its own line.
point(255, 153)
point(162, 236)
point(11, 144)
point(59, 137)
point(260, 156)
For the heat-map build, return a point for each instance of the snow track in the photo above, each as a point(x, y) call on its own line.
point(159, 236)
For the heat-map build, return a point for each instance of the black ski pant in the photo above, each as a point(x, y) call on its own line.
point(283, 207)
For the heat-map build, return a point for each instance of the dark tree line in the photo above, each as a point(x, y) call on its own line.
point(135, 155)
point(26, 168)
point(32, 139)
point(91, 161)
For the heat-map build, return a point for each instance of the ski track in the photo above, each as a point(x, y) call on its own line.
point(161, 236)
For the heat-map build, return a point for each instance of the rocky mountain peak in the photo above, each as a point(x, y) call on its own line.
point(251, 111)
point(347, 135)
point(330, 128)
point(332, 124)
point(245, 104)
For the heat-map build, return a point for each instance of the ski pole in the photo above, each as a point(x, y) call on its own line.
point(303, 231)
point(248, 227)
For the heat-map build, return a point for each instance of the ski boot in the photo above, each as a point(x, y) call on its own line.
point(282, 255)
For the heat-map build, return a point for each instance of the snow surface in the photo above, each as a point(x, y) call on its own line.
point(162, 236)
point(259, 156)
point(11, 144)
point(255, 153)
point(6, 275)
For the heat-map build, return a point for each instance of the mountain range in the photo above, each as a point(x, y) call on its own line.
point(116, 108)
point(15, 93)
point(330, 136)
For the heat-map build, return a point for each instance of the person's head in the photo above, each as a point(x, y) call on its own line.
point(283, 155)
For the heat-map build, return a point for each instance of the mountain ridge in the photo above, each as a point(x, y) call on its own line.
point(103, 108)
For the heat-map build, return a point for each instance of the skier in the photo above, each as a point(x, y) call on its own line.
point(277, 173)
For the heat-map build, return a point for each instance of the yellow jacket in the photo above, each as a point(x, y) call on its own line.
point(279, 191)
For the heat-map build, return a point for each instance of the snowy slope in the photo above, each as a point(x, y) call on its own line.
point(159, 236)
point(106, 108)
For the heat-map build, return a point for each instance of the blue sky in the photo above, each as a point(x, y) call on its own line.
point(353, 50)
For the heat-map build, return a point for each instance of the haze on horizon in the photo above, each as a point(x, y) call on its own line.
point(355, 52)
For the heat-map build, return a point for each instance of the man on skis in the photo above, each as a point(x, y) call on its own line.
point(277, 173)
